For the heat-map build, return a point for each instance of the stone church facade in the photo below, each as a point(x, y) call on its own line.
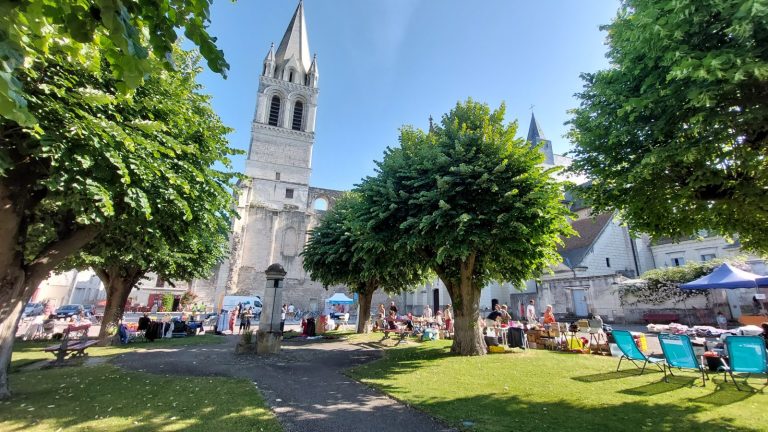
point(276, 204)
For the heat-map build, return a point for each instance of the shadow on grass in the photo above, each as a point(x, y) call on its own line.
point(660, 387)
point(495, 413)
point(605, 376)
point(108, 399)
point(727, 394)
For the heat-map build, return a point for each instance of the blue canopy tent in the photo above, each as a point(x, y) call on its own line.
point(724, 277)
point(339, 298)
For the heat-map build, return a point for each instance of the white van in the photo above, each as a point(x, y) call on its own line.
point(230, 303)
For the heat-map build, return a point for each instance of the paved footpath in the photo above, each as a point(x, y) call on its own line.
point(304, 385)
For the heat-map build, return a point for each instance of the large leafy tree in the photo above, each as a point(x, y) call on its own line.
point(342, 250)
point(470, 202)
point(128, 33)
point(97, 158)
point(675, 133)
point(182, 232)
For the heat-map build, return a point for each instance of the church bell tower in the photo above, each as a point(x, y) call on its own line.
point(283, 129)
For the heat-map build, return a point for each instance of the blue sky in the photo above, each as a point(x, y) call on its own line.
point(385, 63)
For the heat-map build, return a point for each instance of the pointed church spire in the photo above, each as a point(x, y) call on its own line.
point(313, 75)
point(269, 62)
point(295, 43)
point(535, 133)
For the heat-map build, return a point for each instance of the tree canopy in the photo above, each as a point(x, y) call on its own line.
point(127, 32)
point(182, 233)
point(342, 250)
point(471, 202)
point(100, 162)
point(674, 134)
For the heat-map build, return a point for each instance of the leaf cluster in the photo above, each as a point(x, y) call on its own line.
point(142, 167)
point(468, 187)
point(341, 250)
point(128, 33)
point(675, 133)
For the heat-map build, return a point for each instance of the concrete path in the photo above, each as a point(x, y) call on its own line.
point(304, 385)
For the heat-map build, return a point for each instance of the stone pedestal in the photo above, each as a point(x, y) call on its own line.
point(269, 336)
point(268, 342)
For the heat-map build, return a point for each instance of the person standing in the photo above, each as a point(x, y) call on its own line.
point(549, 315)
point(505, 316)
point(530, 312)
point(392, 307)
point(283, 311)
point(448, 318)
point(291, 311)
point(427, 312)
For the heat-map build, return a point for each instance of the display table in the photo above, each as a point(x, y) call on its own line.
point(755, 320)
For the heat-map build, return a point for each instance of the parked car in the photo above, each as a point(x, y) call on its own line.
point(67, 311)
point(33, 309)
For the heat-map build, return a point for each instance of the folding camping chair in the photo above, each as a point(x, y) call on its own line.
point(746, 354)
point(631, 352)
point(678, 353)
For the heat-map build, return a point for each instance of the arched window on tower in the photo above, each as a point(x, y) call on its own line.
point(274, 110)
point(306, 80)
point(290, 76)
point(298, 114)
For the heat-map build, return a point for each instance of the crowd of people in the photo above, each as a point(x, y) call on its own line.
point(388, 319)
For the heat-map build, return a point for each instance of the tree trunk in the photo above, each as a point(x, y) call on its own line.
point(118, 283)
point(12, 303)
point(364, 318)
point(467, 335)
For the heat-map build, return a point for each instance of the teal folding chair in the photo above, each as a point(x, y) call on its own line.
point(631, 352)
point(746, 354)
point(678, 353)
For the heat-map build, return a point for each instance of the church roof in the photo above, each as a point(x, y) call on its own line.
point(534, 131)
point(295, 42)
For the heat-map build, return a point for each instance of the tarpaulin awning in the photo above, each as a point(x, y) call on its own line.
point(724, 277)
point(339, 298)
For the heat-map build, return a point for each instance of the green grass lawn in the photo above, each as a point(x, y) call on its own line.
point(106, 398)
point(548, 391)
point(25, 353)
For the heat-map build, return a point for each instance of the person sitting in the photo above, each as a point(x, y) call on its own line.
point(549, 315)
point(495, 314)
point(722, 321)
point(391, 320)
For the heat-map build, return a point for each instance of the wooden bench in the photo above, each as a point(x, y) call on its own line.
point(71, 343)
point(401, 332)
point(660, 317)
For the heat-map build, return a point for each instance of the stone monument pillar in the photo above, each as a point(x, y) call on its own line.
point(269, 336)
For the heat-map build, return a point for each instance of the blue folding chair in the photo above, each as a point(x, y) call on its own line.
point(746, 354)
point(631, 352)
point(678, 352)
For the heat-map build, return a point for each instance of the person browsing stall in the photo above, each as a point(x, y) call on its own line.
point(549, 315)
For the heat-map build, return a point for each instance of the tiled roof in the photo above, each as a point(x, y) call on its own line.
point(589, 229)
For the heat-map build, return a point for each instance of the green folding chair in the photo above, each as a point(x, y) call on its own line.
point(746, 354)
point(678, 353)
point(631, 352)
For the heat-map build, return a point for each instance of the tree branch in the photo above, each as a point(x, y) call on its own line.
point(55, 252)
